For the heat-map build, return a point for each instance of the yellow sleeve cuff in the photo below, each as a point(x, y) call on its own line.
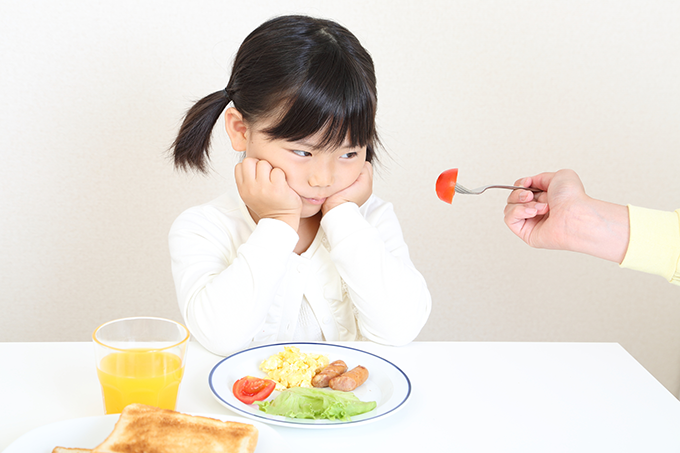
point(654, 244)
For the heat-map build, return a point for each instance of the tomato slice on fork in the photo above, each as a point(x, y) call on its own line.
point(446, 185)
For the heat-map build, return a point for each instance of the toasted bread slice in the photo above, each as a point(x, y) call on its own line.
point(146, 429)
point(70, 450)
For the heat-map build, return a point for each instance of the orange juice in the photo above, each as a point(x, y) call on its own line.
point(138, 376)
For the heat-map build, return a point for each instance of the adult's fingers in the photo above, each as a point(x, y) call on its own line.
point(514, 213)
point(523, 182)
point(521, 196)
point(516, 216)
point(542, 180)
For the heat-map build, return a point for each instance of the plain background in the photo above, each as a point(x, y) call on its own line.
point(93, 92)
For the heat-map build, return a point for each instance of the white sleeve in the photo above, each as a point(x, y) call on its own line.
point(389, 294)
point(225, 287)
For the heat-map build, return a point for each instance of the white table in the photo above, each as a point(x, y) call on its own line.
point(466, 397)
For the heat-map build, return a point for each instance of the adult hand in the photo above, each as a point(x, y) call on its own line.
point(541, 220)
point(563, 217)
point(358, 192)
point(264, 190)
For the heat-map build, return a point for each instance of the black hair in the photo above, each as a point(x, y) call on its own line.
point(308, 75)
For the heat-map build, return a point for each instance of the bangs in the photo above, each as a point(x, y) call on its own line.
point(333, 97)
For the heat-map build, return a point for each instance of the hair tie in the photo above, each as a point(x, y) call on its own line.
point(227, 93)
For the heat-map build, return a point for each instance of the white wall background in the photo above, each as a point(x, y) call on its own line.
point(92, 94)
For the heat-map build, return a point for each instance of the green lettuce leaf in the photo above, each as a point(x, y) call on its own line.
point(302, 402)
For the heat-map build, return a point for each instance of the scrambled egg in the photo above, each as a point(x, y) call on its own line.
point(292, 368)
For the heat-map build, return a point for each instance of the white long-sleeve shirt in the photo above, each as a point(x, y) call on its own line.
point(240, 283)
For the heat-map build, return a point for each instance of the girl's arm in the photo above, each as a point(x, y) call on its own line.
point(368, 249)
point(226, 277)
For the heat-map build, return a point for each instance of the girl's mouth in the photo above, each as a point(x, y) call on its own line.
point(315, 201)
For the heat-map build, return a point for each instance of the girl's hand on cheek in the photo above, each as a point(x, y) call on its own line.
point(265, 191)
point(358, 192)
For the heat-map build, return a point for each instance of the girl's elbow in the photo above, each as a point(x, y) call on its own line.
point(396, 332)
point(219, 339)
point(220, 345)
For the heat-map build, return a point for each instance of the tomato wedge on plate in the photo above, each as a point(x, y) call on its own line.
point(250, 389)
point(446, 185)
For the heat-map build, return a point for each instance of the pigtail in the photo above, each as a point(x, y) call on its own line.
point(192, 145)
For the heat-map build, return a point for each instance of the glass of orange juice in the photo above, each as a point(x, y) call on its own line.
point(140, 360)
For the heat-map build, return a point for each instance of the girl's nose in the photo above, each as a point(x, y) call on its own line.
point(322, 176)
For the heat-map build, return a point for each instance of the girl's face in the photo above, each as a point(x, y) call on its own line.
point(313, 173)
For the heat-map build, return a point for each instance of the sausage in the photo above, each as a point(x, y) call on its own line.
point(350, 380)
point(334, 369)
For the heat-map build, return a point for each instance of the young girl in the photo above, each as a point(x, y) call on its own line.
point(306, 252)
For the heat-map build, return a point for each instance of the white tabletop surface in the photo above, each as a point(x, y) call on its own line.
point(466, 397)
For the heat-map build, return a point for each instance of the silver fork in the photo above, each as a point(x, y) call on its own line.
point(464, 190)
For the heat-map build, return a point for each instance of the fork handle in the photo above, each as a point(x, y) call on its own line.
point(532, 189)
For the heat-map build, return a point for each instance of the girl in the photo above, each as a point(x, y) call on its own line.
point(306, 252)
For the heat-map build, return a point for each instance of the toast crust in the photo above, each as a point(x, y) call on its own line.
point(148, 429)
point(70, 450)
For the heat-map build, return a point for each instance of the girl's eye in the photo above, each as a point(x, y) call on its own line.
point(349, 155)
point(301, 153)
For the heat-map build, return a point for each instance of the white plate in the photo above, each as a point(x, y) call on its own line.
point(89, 432)
point(387, 385)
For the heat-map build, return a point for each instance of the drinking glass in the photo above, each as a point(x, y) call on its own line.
point(140, 360)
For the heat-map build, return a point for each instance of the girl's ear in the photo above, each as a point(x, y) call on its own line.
point(236, 129)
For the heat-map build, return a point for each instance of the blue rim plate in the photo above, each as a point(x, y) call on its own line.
point(387, 385)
